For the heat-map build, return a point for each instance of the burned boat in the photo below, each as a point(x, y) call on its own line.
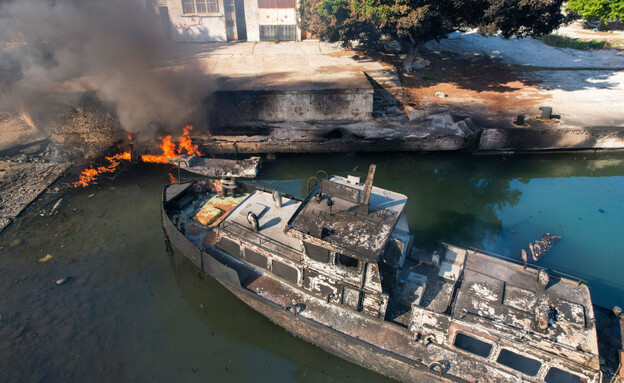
point(339, 270)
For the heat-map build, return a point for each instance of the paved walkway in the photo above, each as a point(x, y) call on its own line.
point(529, 52)
point(308, 65)
point(291, 66)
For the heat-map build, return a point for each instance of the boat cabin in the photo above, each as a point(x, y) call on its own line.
point(350, 231)
point(334, 244)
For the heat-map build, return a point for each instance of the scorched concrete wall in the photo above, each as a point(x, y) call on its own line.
point(308, 105)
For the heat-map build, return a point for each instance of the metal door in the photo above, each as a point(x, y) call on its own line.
point(230, 20)
point(278, 19)
point(241, 26)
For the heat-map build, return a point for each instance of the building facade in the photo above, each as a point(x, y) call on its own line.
point(228, 20)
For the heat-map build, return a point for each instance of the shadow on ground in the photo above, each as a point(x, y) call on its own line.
point(480, 73)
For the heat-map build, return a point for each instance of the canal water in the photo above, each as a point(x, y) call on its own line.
point(131, 313)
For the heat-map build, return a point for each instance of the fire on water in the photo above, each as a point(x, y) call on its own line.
point(167, 145)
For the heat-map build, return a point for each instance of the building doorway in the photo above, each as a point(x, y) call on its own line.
point(280, 24)
point(241, 25)
point(230, 20)
point(165, 22)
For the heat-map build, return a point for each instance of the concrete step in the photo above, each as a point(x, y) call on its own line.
point(472, 125)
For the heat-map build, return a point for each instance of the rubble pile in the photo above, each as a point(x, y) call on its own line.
point(87, 130)
point(21, 182)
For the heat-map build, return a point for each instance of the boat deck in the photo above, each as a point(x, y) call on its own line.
point(496, 293)
point(215, 209)
point(272, 221)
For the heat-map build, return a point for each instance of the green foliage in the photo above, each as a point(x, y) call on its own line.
point(567, 42)
point(604, 10)
point(415, 22)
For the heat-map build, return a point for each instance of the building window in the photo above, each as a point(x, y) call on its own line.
point(520, 363)
point(556, 375)
point(316, 253)
point(285, 272)
point(472, 345)
point(346, 261)
point(272, 4)
point(199, 6)
point(230, 247)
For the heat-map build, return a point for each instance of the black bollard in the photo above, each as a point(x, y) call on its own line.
point(546, 112)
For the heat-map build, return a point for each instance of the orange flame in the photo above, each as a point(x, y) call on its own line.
point(172, 179)
point(89, 175)
point(169, 150)
point(186, 143)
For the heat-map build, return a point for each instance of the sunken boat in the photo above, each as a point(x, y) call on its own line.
point(339, 269)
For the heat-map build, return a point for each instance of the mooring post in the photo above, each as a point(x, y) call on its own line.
point(546, 112)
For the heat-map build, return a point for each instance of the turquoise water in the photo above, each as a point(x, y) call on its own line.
point(588, 213)
point(131, 313)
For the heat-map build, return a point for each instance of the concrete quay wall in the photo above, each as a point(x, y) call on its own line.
point(303, 105)
point(609, 138)
point(441, 132)
point(431, 135)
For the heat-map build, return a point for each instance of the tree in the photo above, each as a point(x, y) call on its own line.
point(414, 22)
point(603, 10)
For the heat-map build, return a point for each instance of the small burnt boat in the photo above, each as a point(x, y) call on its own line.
point(339, 270)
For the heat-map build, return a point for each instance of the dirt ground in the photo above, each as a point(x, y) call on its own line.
point(490, 91)
point(473, 78)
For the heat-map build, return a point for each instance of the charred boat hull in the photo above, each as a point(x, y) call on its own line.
point(228, 271)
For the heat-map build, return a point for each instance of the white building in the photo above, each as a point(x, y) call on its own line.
point(227, 20)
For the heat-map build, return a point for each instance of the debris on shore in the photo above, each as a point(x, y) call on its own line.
point(21, 183)
point(218, 167)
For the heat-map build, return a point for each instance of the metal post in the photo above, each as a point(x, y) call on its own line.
point(179, 174)
point(366, 193)
point(546, 112)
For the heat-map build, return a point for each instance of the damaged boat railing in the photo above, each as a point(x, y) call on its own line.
point(530, 265)
point(262, 239)
point(179, 162)
point(270, 191)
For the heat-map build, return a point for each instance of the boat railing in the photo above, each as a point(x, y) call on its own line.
point(270, 191)
point(529, 265)
point(262, 239)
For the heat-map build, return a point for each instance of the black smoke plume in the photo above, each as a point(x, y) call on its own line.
point(63, 49)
